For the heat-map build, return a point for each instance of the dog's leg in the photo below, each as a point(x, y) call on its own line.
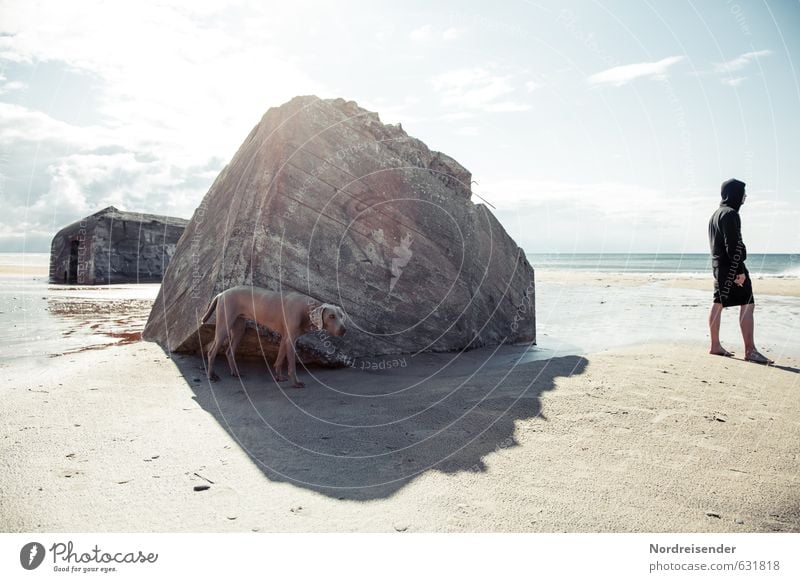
point(237, 331)
point(280, 361)
point(212, 354)
point(220, 335)
point(291, 357)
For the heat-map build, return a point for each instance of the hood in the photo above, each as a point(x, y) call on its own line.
point(732, 193)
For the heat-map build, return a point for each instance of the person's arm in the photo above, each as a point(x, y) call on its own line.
point(731, 227)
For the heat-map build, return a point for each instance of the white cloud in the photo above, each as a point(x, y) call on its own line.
point(595, 216)
point(20, 124)
point(422, 33)
point(174, 85)
point(740, 62)
point(467, 130)
point(81, 183)
point(734, 81)
point(476, 88)
point(619, 200)
point(393, 111)
point(507, 106)
point(458, 116)
point(7, 86)
point(12, 86)
point(727, 69)
point(453, 33)
point(624, 74)
point(195, 79)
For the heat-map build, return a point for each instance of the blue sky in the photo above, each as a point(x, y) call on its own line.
point(590, 126)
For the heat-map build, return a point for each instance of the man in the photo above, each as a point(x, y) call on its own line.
point(732, 284)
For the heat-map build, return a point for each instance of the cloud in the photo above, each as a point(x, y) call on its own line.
point(624, 74)
point(422, 33)
point(476, 88)
point(595, 216)
point(467, 131)
point(507, 106)
point(395, 111)
point(197, 84)
point(725, 70)
point(457, 116)
point(9, 86)
point(427, 33)
point(14, 86)
point(617, 202)
point(19, 124)
point(734, 81)
point(453, 33)
point(166, 112)
point(740, 62)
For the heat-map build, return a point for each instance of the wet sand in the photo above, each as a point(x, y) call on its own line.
point(617, 421)
point(762, 285)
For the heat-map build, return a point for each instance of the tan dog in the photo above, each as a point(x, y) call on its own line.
point(289, 314)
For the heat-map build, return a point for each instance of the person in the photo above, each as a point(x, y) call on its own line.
point(732, 285)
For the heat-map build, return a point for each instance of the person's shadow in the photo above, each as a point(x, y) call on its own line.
point(785, 368)
point(364, 432)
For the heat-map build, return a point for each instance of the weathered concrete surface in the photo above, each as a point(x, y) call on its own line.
point(324, 199)
point(113, 246)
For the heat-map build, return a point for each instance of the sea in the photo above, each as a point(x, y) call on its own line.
point(694, 264)
point(44, 321)
point(770, 265)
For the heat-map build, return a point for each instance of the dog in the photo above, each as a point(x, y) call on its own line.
point(289, 314)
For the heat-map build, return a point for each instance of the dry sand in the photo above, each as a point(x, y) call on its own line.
point(655, 438)
point(659, 436)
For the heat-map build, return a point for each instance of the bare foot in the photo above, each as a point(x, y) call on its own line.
point(720, 351)
point(758, 358)
point(298, 385)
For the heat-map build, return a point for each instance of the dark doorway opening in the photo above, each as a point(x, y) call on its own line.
point(73, 263)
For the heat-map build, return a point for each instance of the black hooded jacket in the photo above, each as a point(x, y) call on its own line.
point(725, 229)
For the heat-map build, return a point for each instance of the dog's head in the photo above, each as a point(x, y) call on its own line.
point(330, 318)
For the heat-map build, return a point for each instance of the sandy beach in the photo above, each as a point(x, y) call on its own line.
point(617, 421)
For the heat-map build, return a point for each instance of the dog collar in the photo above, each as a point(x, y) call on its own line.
point(315, 315)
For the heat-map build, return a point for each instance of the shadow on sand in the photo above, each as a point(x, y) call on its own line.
point(363, 434)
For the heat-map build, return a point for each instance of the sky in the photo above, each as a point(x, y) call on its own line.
point(590, 126)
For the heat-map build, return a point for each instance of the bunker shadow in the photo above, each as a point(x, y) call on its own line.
point(363, 432)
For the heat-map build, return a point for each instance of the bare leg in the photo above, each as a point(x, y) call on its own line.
point(747, 324)
point(713, 326)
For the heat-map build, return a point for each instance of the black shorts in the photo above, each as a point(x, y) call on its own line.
point(729, 293)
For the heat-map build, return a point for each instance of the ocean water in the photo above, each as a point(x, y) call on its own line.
point(773, 265)
point(767, 265)
point(25, 259)
point(49, 322)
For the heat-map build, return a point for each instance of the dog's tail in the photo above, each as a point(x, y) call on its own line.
point(211, 307)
